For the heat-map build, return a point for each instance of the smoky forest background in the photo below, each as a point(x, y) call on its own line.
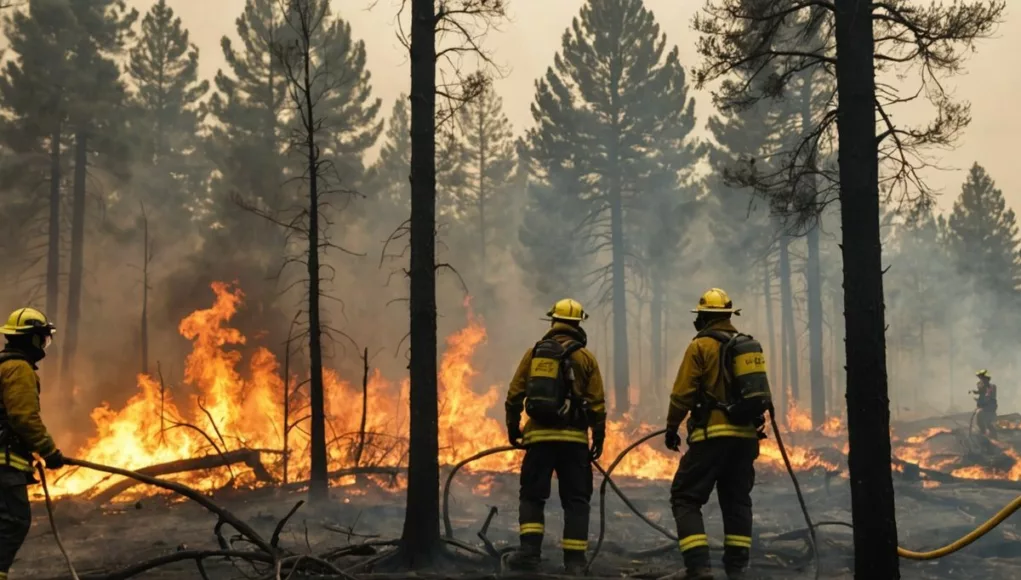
point(130, 183)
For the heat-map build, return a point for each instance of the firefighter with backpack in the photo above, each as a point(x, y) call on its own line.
point(22, 432)
point(559, 386)
point(723, 391)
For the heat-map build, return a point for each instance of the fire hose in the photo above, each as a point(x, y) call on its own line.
point(607, 480)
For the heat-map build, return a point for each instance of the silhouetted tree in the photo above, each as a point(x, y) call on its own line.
point(858, 39)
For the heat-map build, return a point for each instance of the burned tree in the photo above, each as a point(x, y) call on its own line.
point(859, 39)
point(313, 51)
point(466, 21)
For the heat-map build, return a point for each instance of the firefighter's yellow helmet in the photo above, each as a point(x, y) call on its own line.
point(982, 373)
point(568, 309)
point(25, 321)
point(716, 300)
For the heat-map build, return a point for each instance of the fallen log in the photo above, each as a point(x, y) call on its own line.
point(250, 458)
point(913, 472)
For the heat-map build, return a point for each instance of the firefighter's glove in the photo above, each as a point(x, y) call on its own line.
point(673, 439)
point(54, 460)
point(514, 435)
point(598, 436)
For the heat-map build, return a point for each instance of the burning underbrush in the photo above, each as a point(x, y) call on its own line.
point(228, 426)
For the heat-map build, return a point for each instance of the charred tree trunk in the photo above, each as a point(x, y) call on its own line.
point(420, 540)
point(319, 481)
point(53, 244)
point(789, 338)
point(74, 285)
point(868, 410)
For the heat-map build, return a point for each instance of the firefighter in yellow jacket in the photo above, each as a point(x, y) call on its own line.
point(720, 454)
point(22, 432)
point(559, 385)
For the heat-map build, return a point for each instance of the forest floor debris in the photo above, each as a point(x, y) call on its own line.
point(364, 516)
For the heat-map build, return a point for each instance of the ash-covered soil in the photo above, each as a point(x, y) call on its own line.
point(109, 538)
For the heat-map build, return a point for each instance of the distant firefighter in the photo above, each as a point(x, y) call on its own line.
point(723, 390)
point(559, 385)
point(985, 401)
point(22, 432)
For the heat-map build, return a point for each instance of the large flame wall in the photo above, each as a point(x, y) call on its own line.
point(232, 405)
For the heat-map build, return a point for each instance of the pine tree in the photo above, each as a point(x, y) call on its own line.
point(249, 137)
point(984, 244)
point(482, 204)
point(99, 31)
point(349, 111)
point(611, 118)
point(390, 173)
point(33, 91)
point(164, 68)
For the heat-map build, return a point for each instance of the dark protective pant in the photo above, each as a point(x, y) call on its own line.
point(727, 463)
point(570, 461)
point(15, 515)
point(986, 420)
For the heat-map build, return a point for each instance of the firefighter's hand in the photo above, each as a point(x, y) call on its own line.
point(54, 460)
point(673, 440)
point(515, 436)
point(598, 436)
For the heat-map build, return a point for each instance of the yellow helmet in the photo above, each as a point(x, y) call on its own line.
point(568, 309)
point(982, 373)
point(716, 300)
point(25, 321)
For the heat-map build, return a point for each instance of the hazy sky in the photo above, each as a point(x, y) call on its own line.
point(525, 46)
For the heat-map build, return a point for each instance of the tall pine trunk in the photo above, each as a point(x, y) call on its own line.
point(482, 190)
point(767, 294)
point(53, 239)
point(817, 375)
point(77, 268)
point(146, 256)
point(420, 539)
point(868, 410)
point(790, 336)
point(656, 337)
point(621, 370)
point(813, 275)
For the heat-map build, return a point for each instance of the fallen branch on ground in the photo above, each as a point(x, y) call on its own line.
point(249, 457)
point(224, 515)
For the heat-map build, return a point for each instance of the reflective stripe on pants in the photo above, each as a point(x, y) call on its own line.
point(570, 462)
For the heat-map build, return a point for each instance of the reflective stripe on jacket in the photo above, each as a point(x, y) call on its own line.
point(701, 366)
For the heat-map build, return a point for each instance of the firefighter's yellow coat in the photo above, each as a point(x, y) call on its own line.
point(701, 366)
point(588, 386)
point(20, 385)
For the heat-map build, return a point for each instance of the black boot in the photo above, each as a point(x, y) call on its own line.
point(574, 562)
point(527, 557)
point(736, 574)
